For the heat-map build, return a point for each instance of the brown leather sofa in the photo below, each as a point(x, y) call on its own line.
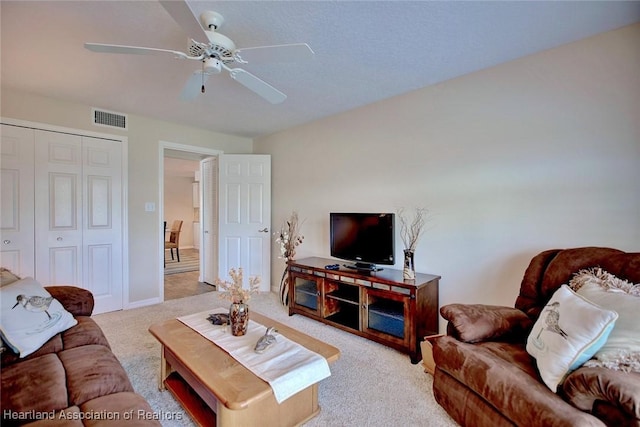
point(485, 377)
point(72, 380)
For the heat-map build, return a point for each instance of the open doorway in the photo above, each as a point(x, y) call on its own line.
point(180, 220)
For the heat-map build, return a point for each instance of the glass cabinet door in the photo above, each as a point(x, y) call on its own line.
point(306, 292)
point(386, 315)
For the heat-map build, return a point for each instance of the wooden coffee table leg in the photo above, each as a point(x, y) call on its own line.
point(165, 370)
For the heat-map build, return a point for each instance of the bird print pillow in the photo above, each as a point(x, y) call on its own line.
point(569, 331)
point(30, 316)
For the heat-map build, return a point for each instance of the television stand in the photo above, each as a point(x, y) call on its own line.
point(363, 266)
point(378, 305)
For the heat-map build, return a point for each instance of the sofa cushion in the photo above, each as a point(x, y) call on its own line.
point(585, 387)
point(75, 300)
point(30, 316)
point(568, 333)
point(480, 322)
point(113, 410)
point(92, 371)
point(550, 269)
point(131, 409)
point(504, 376)
point(85, 332)
point(68, 417)
point(37, 385)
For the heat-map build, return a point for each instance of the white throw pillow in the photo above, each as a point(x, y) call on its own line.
point(30, 316)
point(613, 293)
point(568, 332)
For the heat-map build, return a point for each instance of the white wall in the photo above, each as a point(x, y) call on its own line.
point(178, 204)
point(179, 176)
point(538, 153)
point(144, 136)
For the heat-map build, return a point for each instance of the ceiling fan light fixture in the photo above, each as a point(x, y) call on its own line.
point(211, 66)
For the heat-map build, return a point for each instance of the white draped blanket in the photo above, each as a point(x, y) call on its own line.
point(287, 366)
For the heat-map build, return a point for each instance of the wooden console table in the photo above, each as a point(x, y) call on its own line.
point(380, 306)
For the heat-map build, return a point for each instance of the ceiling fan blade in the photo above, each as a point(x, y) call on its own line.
point(260, 87)
point(193, 87)
point(277, 53)
point(113, 48)
point(183, 15)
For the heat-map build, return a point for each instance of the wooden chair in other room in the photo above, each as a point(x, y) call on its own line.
point(174, 238)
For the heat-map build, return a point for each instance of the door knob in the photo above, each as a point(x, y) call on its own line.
point(264, 230)
point(59, 239)
point(6, 242)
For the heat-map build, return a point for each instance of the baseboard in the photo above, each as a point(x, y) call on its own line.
point(143, 303)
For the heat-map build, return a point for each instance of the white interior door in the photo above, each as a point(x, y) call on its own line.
point(16, 206)
point(244, 216)
point(209, 220)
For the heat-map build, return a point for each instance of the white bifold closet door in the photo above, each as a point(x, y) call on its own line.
point(16, 206)
point(64, 216)
point(78, 203)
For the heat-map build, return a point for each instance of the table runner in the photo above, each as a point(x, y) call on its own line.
point(287, 366)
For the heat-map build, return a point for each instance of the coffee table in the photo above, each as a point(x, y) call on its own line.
point(215, 389)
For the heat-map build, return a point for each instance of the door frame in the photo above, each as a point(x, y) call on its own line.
point(166, 145)
point(124, 140)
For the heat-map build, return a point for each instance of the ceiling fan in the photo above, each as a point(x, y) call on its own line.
point(216, 54)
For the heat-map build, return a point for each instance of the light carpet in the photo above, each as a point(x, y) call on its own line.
point(370, 384)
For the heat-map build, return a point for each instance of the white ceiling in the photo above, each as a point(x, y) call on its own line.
point(366, 51)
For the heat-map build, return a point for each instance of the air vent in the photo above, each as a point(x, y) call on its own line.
point(109, 119)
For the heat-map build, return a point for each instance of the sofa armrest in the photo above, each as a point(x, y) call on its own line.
point(586, 387)
point(77, 301)
point(478, 322)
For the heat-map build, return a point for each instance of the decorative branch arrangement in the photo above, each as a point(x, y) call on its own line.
point(289, 238)
point(233, 291)
point(411, 231)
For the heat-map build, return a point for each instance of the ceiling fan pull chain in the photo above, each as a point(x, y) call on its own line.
point(202, 88)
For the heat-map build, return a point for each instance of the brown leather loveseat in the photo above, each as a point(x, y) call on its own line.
point(485, 377)
point(72, 380)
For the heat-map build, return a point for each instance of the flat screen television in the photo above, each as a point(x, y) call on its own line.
point(366, 239)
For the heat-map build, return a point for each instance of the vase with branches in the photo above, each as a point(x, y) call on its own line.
point(239, 296)
point(289, 238)
point(410, 232)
